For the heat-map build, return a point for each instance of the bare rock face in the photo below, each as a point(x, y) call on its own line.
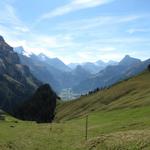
point(16, 81)
point(40, 107)
point(7, 54)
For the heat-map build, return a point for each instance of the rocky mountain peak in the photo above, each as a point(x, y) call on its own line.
point(1, 39)
point(7, 54)
point(128, 60)
point(19, 50)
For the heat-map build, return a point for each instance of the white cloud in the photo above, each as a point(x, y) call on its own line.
point(92, 56)
point(11, 27)
point(135, 30)
point(50, 42)
point(74, 5)
point(31, 47)
point(120, 40)
point(43, 43)
point(16, 33)
point(9, 19)
point(130, 18)
point(107, 49)
point(78, 41)
point(93, 24)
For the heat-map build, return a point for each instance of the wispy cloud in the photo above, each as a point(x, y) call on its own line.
point(91, 56)
point(49, 45)
point(8, 17)
point(74, 5)
point(93, 23)
point(108, 36)
point(11, 26)
point(136, 30)
point(16, 33)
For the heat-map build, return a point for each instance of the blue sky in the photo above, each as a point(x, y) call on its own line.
point(78, 30)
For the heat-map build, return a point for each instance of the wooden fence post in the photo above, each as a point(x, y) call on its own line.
point(86, 128)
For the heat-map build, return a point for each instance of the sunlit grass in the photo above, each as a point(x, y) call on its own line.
point(118, 119)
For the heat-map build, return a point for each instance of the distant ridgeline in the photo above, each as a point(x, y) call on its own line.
point(17, 85)
point(80, 78)
point(125, 69)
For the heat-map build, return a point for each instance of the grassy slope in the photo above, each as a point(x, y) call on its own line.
point(117, 129)
point(109, 128)
point(132, 93)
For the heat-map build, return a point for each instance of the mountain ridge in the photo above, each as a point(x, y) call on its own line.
point(91, 75)
point(113, 74)
point(16, 80)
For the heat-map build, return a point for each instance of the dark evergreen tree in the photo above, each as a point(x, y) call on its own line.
point(149, 67)
point(40, 107)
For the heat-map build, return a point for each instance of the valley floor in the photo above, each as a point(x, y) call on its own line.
point(124, 129)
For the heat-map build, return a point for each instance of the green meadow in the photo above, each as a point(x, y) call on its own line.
point(118, 119)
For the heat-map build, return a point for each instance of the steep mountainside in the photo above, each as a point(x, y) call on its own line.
point(42, 71)
point(131, 93)
point(54, 62)
point(16, 81)
point(19, 50)
point(127, 67)
point(41, 67)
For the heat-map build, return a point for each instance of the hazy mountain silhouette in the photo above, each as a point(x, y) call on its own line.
point(126, 68)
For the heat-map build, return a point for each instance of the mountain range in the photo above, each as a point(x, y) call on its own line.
point(22, 75)
point(126, 68)
point(53, 71)
point(93, 67)
point(59, 75)
point(80, 77)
